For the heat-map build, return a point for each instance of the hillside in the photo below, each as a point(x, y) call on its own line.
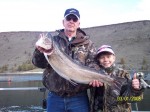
point(129, 40)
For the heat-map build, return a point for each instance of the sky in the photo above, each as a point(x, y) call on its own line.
point(47, 15)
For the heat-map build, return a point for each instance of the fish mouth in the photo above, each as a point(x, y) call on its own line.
point(45, 50)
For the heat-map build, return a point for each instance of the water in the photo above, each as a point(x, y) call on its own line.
point(144, 105)
point(31, 100)
point(20, 77)
point(21, 100)
point(22, 109)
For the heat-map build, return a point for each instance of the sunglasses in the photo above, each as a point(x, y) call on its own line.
point(74, 18)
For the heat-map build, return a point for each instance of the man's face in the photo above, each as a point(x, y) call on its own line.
point(106, 60)
point(71, 23)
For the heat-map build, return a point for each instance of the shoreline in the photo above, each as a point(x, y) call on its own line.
point(21, 73)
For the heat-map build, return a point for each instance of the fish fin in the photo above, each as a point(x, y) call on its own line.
point(73, 82)
point(46, 56)
point(117, 85)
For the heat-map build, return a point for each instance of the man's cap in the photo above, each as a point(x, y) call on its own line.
point(105, 48)
point(72, 11)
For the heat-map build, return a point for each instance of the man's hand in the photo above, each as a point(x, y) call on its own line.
point(96, 83)
point(135, 82)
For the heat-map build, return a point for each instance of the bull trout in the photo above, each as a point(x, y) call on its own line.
point(67, 68)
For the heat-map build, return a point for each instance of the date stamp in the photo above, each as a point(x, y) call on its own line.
point(129, 98)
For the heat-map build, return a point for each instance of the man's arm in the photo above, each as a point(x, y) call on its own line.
point(39, 59)
point(43, 45)
point(90, 60)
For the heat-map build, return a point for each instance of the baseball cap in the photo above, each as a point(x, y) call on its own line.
point(105, 48)
point(72, 11)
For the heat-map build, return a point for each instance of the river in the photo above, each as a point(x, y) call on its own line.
point(31, 100)
point(21, 100)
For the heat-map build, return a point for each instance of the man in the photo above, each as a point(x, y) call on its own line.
point(64, 96)
point(108, 98)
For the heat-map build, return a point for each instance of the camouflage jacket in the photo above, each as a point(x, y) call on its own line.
point(80, 49)
point(103, 99)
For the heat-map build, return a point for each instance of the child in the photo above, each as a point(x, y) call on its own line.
point(104, 98)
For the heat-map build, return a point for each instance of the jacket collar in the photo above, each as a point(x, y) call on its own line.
point(81, 37)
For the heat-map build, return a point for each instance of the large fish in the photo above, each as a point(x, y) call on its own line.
point(67, 68)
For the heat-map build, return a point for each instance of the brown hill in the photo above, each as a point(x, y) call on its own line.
point(129, 40)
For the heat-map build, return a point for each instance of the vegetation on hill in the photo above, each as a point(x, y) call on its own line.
point(130, 42)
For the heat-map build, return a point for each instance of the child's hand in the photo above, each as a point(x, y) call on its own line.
point(96, 83)
point(135, 82)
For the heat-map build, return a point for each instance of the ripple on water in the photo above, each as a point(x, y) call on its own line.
point(22, 109)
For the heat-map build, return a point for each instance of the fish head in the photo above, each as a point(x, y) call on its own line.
point(45, 42)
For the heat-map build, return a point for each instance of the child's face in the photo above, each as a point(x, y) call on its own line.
point(106, 60)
